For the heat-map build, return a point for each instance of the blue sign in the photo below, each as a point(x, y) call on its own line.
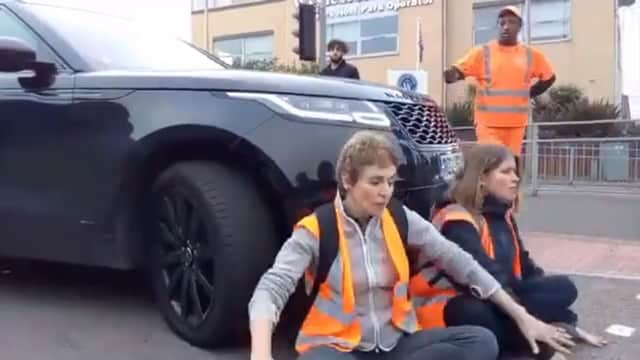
point(408, 82)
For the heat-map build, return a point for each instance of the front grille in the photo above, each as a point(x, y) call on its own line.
point(425, 123)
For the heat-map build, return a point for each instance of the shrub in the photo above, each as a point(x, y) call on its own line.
point(568, 103)
point(460, 114)
point(586, 110)
point(275, 66)
point(565, 95)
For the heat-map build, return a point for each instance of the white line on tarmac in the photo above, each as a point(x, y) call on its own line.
point(598, 275)
point(620, 330)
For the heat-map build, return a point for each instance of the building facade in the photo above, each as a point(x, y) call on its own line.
point(579, 37)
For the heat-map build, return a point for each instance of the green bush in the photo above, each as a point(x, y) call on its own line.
point(553, 105)
point(273, 65)
point(568, 103)
point(565, 95)
point(460, 114)
point(585, 110)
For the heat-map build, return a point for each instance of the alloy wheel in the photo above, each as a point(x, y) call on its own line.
point(186, 259)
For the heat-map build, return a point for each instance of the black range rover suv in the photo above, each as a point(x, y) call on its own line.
point(125, 149)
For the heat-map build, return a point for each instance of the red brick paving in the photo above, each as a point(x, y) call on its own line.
point(584, 255)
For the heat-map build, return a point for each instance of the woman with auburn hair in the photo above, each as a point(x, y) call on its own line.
point(478, 217)
point(355, 255)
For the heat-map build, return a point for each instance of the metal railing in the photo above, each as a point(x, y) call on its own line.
point(603, 162)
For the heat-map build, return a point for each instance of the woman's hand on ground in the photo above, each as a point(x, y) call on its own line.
point(591, 339)
point(583, 335)
point(535, 330)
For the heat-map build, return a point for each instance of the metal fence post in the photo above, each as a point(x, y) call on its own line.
point(572, 164)
point(534, 159)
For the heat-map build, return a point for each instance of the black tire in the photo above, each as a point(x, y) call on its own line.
point(234, 243)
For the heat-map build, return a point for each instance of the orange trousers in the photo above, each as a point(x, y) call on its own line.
point(511, 137)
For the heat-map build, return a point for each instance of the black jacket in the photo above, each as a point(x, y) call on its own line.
point(468, 238)
point(344, 70)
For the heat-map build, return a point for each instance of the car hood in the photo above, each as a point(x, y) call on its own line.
point(246, 81)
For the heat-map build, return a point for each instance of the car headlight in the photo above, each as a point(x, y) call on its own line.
point(322, 108)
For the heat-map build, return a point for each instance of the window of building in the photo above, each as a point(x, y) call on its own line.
point(198, 5)
point(550, 20)
point(243, 49)
point(367, 35)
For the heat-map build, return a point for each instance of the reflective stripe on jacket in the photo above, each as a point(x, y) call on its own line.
point(430, 291)
point(504, 101)
point(332, 319)
point(454, 212)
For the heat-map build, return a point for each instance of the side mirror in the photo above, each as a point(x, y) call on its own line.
point(17, 55)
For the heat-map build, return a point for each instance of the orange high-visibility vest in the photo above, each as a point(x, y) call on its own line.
point(431, 289)
point(503, 101)
point(332, 319)
point(453, 212)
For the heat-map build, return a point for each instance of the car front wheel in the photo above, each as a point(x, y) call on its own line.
point(212, 238)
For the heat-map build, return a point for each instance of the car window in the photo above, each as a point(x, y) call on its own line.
point(11, 26)
point(113, 43)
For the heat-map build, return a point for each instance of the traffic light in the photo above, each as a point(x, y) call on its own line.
point(306, 32)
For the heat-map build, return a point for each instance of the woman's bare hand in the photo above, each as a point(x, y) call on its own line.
point(591, 339)
point(535, 330)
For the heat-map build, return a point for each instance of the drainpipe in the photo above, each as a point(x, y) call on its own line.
point(444, 52)
point(617, 83)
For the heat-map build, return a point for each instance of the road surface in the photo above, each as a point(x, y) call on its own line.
point(68, 313)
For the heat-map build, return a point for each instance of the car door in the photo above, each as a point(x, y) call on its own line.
point(34, 221)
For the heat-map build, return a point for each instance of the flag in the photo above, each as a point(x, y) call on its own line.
point(419, 44)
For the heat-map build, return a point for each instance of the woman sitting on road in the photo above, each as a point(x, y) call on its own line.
point(478, 218)
point(361, 307)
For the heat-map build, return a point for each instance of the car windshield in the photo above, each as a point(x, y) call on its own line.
point(112, 43)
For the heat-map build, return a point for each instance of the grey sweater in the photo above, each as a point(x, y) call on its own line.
point(373, 273)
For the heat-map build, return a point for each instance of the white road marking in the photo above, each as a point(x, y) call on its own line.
point(620, 330)
point(598, 275)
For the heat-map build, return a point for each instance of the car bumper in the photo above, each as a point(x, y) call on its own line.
point(308, 163)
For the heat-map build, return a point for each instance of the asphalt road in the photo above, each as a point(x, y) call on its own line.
point(607, 216)
point(68, 313)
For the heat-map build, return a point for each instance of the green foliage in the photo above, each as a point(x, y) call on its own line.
point(585, 110)
point(568, 103)
point(273, 65)
point(460, 114)
point(565, 95)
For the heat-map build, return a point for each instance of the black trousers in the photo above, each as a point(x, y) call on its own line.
point(451, 343)
point(548, 298)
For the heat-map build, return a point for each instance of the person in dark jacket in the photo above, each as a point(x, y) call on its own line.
point(479, 217)
point(338, 66)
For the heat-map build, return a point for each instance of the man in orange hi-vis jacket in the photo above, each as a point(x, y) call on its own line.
point(504, 70)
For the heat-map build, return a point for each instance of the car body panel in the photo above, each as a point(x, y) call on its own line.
point(76, 157)
point(242, 81)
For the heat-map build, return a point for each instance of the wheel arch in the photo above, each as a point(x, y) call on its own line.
point(158, 151)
